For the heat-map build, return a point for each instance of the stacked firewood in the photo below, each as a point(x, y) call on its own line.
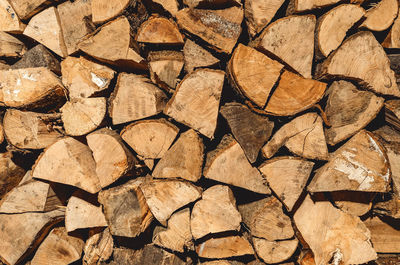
point(210, 132)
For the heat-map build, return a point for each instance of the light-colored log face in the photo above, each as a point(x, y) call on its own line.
point(166, 196)
point(9, 20)
point(357, 204)
point(254, 73)
point(10, 173)
point(305, 5)
point(224, 247)
point(392, 113)
point(103, 10)
point(169, 5)
point(287, 177)
point(98, 247)
point(196, 56)
point(275, 251)
point(393, 38)
point(333, 234)
point(165, 67)
point(159, 30)
point(134, 98)
point(384, 237)
point(26, 9)
point(222, 35)
point(10, 46)
point(334, 24)
point(228, 164)
point(381, 16)
point(196, 100)
point(361, 164)
point(291, 39)
point(183, 160)
point(393, 153)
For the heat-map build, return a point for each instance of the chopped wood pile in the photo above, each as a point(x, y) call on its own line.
point(209, 132)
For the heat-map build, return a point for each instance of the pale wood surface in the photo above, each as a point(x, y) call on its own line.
point(98, 247)
point(171, 6)
point(10, 173)
point(104, 10)
point(357, 204)
point(306, 5)
point(393, 38)
point(225, 247)
point(275, 251)
point(165, 67)
point(384, 236)
point(381, 16)
point(11, 46)
point(9, 20)
point(159, 30)
point(26, 9)
point(196, 56)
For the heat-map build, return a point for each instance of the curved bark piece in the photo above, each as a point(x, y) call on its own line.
point(11, 46)
point(381, 16)
point(159, 30)
point(225, 247)
point(104, 10)
point(392, 40)
point(9, 20)
point(275, 251)
point(196, 56)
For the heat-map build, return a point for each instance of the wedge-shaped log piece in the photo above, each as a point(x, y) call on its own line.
point(177, 236)
point(216, 212)
point(333, 234)
point(183, 160)
point(291, 39)
point(159, 30)
point(224, 247)
point(38, 56)
point(83, 115)
point(196, 56)
point(361, 164)
point(294, 94)
point(30, 88)
point(347, 60)
point(31, 130)
point(303, 136)
point(70, 162)
point(275, 251)
point(297, 6)
point(355, 203)
point(211, 3)
point(103, 10)
point(98, 247)
point(228, 164)
point(384, 236)
point(349, 110)
point(381, 16)
point(171, 6)
point(287, 176)
point(58, 248)
point(249, 129)
point(165, 67)
point(11, 46)
point(333, 26)
point(10, 173)
point(392, 40)
point(135, 98)
point(28, 229)
point(26, 9)
point(9, 20)
point(221, 35)
point(125, 209)
point(253, 73)
point(164, 197)
point(101, 45)
point(392, 113)
point(196, 100)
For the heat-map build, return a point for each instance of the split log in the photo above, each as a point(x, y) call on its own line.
point(294, 94)
point(26, 9)
point(253, 73)
point(388, 134)
point(183, 160)
point(346, 60)
point(30, 88)
point(83, 115)
point(58, 248)
point(159, 30)
point(165, 67)
point(84, 78)
point(348, 110)
point(45, 28)
point(392, 113)
point(223, 35)
point(125, 209)
point(390, 208)
point(224, 247)
point(69, 162)
point(196, 56)
point(104, 142)
point(201, 4)
point(361, 164)
point(166, 196)
point(150, 138)
point(287, 176)
point(298, 6)
point(171, 6)
point(135, 98)
point(11, 46)
point(384, 236)
point(10, 173)
point(333, 26)
point(291, 40)
point(177, 236)
point(195, 102)
point(275, 251)
point(303, 136)
point(392, 40)
point(9, 20)
point(355, 203)
point(103, 10)
point(228, 164)
point(216, 212)
point(333, 234)
point(381, 16)
point(98, 247)
point(249, 129)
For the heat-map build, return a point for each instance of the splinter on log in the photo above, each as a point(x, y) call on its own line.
point(159, 30)
point(381, 16)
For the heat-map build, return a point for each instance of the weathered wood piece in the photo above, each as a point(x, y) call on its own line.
point(381, 16)
point(98, 247)
point(38, 56)
point(165, 67)
point(171, 6)
point(392, 40)
point(10, 173)
point(297, 6)
point(211, 3)
point(9, 20)
point(384, 236)
point(357, 204)
point(389, 208)
point(159, 30)
point(11, 46)
point(224, 247)
point(26, 9)
point(275, 251)
point(196, 56)
point(392, 113)
point(103, 10)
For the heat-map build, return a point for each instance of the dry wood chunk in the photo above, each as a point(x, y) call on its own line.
point(135, 98)
point(298, 6)
point(38, 56)
point(166, 196)
point(10, 173)
point(224, 247)
point(352, 60)
point(58, 248)
point(249, 129)
point(125, 209)
point(196, 56)
point(381, 16)
point(333, 234)
point(11, 46)
point(177, 236)
point(388, 134)
point(228, 164)
point(303, 136)
point(211, 3)
point(333, 26)
point(384, 236)
point(9, 21)
point(294, 94)
point(103, 10)
point(392, 113)
point(392, 40)
point(196, 100)
point(83, 115)
point(291, 39)
point(253, 73)
point(28, 230)
point(355, 203)
point(220, 28)
point(1, 132)
point(216, 212)
point(275, 251)
point(165, 67)
point(98, 247)
point(359, 165)
point(183, 160)
point(159, 30)
point(70, 162)
point(171, 6)
point(27, 8)
point(287, 177)
point(349, 110)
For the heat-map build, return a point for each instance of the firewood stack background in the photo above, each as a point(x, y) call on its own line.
point(215, 132)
